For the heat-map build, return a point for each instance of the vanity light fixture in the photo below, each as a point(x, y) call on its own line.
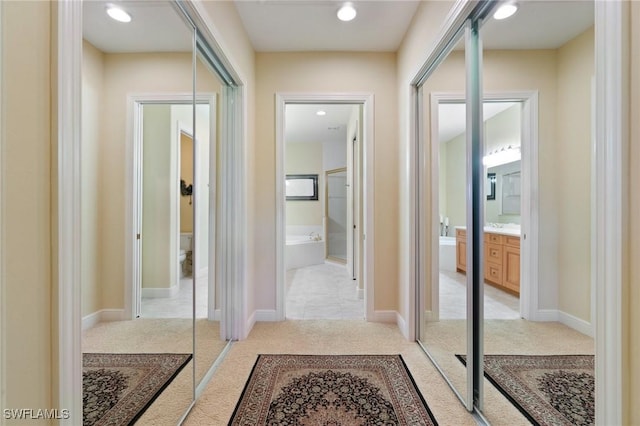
point(347, 12)
point(321, 113)
point(118, 14)
point(505, 155)
point(505, 10)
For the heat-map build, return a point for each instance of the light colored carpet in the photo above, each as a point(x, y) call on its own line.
point(444, 339)
point(157, 336)
point(217, 403)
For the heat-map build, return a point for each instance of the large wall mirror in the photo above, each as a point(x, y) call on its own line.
point(528, 308)
point(151, 310)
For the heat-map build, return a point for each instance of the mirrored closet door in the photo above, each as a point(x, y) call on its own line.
point(443, 312)
point(150, 135)
point(524, 256)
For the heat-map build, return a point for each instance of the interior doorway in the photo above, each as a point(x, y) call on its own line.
point(324, 144)
point(509, 117)
point(170, 163)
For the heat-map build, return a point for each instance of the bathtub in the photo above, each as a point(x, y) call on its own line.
point(303, 250)
point(448, 254)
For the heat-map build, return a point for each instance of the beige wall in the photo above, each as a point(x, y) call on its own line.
point(503, 129)
point(158, 269)
point(305, 158)
point(416, 45)
point(520, 71)
point(455, 182)
point(328, 72)
point(92, 113)
point(574, 150)
point(129, 74)
point(27, 295)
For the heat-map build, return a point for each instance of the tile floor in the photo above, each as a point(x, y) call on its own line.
point(498, 304)
point(179, 306)
point(324, 291)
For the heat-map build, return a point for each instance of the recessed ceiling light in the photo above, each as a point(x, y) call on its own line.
point(347, 12)
point(505, 11)
point(321, 113)
point(118, 14)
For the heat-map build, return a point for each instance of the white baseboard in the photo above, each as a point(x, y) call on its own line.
point(156, 293)
point(359, 291)
point(262, 315)
point(546, 315)
point(104, 315)
point(384, 316)
point(576, 323)
point(217, 315)
point(265, 315)
point(402, 325)
point(202, 273)
point(569, 320)
point(431, 316)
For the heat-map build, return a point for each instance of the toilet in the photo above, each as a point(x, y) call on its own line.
point(186, 241)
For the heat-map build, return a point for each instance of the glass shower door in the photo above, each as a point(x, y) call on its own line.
point(336, 214)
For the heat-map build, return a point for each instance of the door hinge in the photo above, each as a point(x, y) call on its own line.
point(137, 236)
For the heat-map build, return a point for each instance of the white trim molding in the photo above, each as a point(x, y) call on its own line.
point(368, 144)
point(571, 321)
point(611, 55)
point(133, 152)
point(69, 45)
point(160, 293)
point(3, 321)
point(529, 299)
point(104, 315)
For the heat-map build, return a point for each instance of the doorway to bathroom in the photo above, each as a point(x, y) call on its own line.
point(172, 159)
point(322, 267)
point(507, 137)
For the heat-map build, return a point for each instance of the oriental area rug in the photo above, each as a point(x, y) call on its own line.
point(118, 388)
point(547, 389)
point(331, 390)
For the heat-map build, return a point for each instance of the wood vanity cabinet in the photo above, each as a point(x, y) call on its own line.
point(461, 250)
point(511, 263)
point(501, 259)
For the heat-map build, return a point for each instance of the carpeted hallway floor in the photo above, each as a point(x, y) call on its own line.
point(217, 403)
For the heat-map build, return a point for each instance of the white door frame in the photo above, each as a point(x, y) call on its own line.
point(529, 217)
point(366, 229)
point(133, 200)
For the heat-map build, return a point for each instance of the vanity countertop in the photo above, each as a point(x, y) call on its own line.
point(511, 231)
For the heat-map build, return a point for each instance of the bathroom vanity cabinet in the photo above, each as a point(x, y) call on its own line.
point(501, 258)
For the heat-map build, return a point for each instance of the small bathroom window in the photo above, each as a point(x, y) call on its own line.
point(302, 187)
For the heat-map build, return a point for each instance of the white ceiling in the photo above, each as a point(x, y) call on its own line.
point(155, 27)
point(303, 25)
point(311, 25)
point(539, 24)
point(303, 125)
point(452, 117)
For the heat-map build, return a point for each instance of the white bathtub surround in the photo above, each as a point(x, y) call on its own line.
point(303, 250)
point(304, 230)
point(448, 254)
point(305, 246)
